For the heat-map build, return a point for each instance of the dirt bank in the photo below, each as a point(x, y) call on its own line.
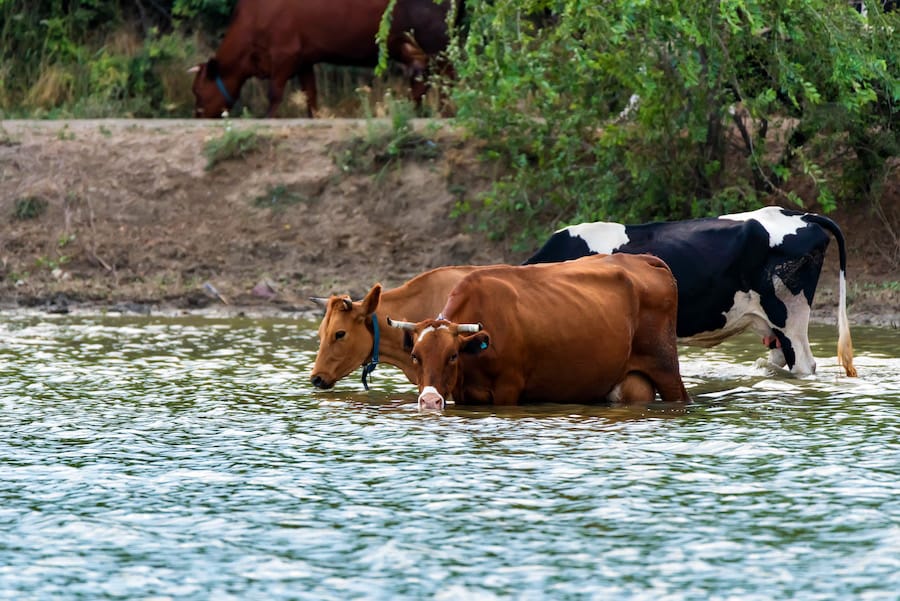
point(127, 215)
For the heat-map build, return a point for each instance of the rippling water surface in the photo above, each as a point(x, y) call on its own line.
point(188, 458)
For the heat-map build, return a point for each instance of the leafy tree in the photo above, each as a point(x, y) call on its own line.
point(637, 110)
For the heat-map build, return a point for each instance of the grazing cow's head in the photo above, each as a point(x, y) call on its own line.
point(211, 96)
point(435, 346)
point(345, 338)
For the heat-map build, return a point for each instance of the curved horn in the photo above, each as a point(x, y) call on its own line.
point(401, 325)
point(194, 69)
point(469, 328)
point(319, 300)
point(348, 304)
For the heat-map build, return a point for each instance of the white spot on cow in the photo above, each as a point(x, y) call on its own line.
point(777, 224)
point(600, 236)
point(430, 329)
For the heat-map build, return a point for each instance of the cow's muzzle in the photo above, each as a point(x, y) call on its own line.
point(431, 400)
point(320, 382)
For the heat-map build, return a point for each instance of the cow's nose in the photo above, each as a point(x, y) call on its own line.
point(320, 382)
point(430, 399)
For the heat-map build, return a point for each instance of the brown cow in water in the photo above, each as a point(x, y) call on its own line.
point(347, 332)
point(277, 39)
point(600, 328)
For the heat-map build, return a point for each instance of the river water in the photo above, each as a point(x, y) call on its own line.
point(189, 458)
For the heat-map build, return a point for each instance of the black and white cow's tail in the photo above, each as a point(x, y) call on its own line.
point(845, 345)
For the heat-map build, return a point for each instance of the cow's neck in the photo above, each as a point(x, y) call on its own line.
point(398, 303)
point(390, 349)
point(235, 65)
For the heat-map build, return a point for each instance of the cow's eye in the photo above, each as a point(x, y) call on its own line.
point(414, 358)
point(453, 358)
point(339, 334)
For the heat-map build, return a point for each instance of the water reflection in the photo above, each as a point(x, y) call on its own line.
point(190, 458)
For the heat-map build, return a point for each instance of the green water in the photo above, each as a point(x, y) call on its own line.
point(189, 458)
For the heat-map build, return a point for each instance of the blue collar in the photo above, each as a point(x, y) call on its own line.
point(373, 363)
point(221, 85)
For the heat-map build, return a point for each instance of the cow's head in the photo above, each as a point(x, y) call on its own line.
point(211, 95)
point(345, 341)
point(435, 347)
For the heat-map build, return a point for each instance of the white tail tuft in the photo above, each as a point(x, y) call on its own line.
point(845, 345)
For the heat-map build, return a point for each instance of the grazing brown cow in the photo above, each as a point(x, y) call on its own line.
point(347, 332)
point(600, 328)
point(277, 39)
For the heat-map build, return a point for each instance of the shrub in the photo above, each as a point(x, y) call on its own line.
point(644, 110)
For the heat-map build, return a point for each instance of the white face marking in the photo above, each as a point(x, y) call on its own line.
point(430, 329)
point(776, 224)
point(600, 236)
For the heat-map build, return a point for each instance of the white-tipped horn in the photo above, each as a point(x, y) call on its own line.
point(401, 325)
point(469, 328)
point(321, 301)
point(194, 69)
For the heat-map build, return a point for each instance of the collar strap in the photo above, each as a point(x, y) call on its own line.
point(221, 85)
point(369, 367)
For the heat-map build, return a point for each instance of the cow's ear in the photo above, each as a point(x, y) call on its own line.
point(370, 303)
point(212, 68)
point(407, 340)
point(475, 343)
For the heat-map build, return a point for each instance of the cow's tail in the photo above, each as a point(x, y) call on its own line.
point(845, 345)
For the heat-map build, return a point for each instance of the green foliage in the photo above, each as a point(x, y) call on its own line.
point(232, 144)
point(29, 207)
point(645, 110)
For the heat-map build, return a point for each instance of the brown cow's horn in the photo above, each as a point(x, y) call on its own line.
point(194, 69)
point(348, 304)
point(402, 325)
point(322, 302)
point(469, 328)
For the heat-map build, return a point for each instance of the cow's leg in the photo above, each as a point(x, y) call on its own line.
point(635, 389)
point(276, 92)
point(788, 315)
point(662, 369)
point(307, 75)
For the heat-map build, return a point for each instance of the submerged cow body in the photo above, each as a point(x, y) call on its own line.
point(278, 39)
point(347, 334)
point(755, 270)
point(597, 329)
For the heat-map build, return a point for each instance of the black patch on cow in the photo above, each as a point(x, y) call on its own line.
point(562, 246)
point(713, 259)
point(786, 348)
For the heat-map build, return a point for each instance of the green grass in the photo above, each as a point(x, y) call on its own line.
point(232, 144)
point(29, 207)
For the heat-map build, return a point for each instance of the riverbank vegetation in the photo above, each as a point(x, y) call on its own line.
point(616, 110)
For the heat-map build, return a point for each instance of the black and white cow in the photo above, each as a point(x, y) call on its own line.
point(755, 270)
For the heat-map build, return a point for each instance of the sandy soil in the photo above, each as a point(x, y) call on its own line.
point(134, 220)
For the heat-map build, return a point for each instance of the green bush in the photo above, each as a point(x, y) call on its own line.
point(731, 101)
point(232, 144)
